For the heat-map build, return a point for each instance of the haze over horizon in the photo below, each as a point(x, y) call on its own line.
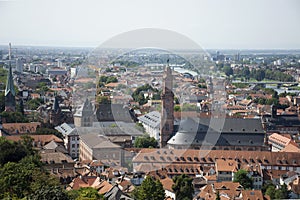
point(213, 24)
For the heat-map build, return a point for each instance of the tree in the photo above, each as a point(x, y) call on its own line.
point(84, 193)
point(13, 117)
point(49, 192)
point(22, 174)
point(282, 193)
point(271, 191)
point(48, 131)
point(33, 104)
point(242, 177)
point(103, 100)
point(228, 70)
point(10, 151)
point(145, 141)
point(150, 189)
point(183, 187)
point(218, 195)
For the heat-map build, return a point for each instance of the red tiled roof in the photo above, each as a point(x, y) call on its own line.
point(21, 128)
point(167, 183)
point(42, 139)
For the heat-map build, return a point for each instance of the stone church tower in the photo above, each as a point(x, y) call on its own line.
point(56, 117)
point(167, 107)
point(84, 117)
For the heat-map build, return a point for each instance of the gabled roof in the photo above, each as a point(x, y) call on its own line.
point(42, 139)
point(116, 194)
point(55, 158)
point(167, 183)
point(55, 147)
point(95, 141)
point(252, 195)
point(226, 165)
point(19, 128)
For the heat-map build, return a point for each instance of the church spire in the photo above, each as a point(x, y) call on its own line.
point(10, 93)
point(10, 83)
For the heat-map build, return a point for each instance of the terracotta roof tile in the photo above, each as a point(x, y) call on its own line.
point(167, 183)
point(252, 195)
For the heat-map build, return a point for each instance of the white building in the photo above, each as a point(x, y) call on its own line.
point(71, 138)
point(151, 123)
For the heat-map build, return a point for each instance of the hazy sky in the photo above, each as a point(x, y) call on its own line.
point(231, 24)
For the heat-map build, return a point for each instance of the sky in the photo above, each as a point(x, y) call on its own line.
point(212, 24)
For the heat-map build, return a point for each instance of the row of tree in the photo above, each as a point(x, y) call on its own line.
point(258, 74)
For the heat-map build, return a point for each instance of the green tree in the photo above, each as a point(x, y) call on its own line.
point(271, 191)
point(145, 141)
point(177, 108)
point(103, 100)
point(88, 193)
point(228, 70)
point(48, 131)
point(282, 193)
point(183, 187)
point(242, 177)
point(33, 104)
point(149, 190)
point(49, 192)
point(13, 117)
point(218, 195)
point(111, 79)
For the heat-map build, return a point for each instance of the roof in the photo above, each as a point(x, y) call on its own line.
point(42, 139)
point(280, 139)
point(96, 163)
point(219, 131)
point(152, 119)
point(252, 195)
point(55, 147)
point(226, 165)
point(66, 129)
point(110, 129)
point(85, 181)
point(104, 187)
point(55, 157)
point(19, 128)
point(115, 194)
point(291, 147)
point(193, 156)
point(167, 183)
point(114, 112)
point(95, 141)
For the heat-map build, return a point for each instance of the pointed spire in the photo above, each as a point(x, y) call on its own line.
point(10, 83)
point(55, 107)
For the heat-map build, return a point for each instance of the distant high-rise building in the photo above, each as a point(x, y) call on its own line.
point(19, 65)
point(167, 109)
point(59, 63)
point(237, 56)
point(73, 72)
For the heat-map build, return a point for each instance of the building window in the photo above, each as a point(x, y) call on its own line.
point(73, 145)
